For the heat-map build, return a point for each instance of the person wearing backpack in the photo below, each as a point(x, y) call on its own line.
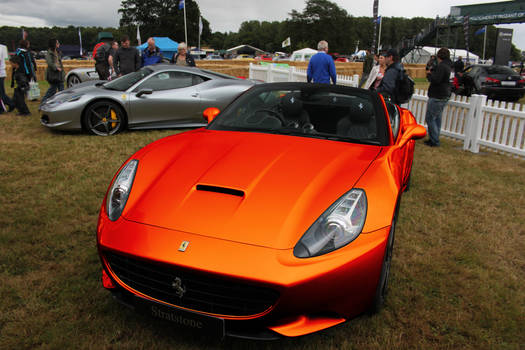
point(101, 56)
point(393, 74)
point(438, 95)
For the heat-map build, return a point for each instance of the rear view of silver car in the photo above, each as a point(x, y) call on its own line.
point(159, 96)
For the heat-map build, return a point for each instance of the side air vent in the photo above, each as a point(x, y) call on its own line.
point(218, 189)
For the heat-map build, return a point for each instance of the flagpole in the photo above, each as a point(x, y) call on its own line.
point(185, 29)
point(484, 42)
point(379, 38)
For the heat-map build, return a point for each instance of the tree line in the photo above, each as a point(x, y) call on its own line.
point(319, 20)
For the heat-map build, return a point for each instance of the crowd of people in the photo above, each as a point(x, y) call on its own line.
point(381, 73)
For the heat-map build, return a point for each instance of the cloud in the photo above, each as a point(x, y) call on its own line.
point(60, 13)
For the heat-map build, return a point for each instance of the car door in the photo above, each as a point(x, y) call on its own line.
point(164, 99)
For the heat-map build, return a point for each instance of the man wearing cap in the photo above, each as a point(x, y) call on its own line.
point(393, 72)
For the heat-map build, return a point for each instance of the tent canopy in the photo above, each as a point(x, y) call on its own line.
point(303, 54)
point(421, 55)
point(167, 46)
point(245, 49)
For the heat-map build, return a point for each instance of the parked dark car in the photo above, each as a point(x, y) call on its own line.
point(495, 81)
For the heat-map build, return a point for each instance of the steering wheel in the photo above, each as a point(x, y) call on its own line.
point(272, 114)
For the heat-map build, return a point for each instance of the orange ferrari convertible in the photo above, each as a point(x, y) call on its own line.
point(277, 219)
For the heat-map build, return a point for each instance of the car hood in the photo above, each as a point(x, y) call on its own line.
point(252, 188)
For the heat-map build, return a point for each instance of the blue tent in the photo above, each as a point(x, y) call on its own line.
point(167, 46)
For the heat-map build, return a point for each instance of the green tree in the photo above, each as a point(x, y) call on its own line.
point(163, 18)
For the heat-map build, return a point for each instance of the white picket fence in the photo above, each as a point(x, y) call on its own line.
point(476, 121)
point(274, 74)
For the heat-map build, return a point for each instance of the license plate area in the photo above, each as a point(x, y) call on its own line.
point(185, 319)
point(508, 83)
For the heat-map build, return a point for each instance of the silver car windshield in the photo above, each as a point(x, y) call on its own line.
point(125, 82)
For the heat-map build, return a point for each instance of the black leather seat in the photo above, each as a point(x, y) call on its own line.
point(293, 111)
point(359, 123)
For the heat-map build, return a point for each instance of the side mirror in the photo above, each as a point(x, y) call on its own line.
point(144, 92)
point(210, 113)
point(412, 132)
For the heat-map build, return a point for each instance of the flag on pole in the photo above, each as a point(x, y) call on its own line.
point(138, 34)
point(181, 4)
point(24, 34)
point(480, 31)
point(80, 39)
point(287, 42)
point(377, 20)
point(200, 25)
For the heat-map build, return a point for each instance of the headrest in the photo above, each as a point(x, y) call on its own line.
point(361, 112)
point(292, 104)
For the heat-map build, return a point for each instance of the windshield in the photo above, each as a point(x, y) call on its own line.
point(500, 70)
point(125, 82)
point(308, 110)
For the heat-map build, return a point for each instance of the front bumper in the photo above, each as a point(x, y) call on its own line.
point(314, 293)
point(62, 117)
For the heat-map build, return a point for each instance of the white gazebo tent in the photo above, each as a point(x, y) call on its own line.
point(421, 55)
point(303, 54)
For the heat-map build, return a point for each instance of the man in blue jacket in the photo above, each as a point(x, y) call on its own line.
point(321, 67)
point(151, 54)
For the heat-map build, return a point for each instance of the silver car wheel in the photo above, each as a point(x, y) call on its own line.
point(104, 118)
point(73, 80)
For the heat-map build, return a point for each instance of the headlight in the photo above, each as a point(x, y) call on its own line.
point(119, 192)
point(339, 225)
point(59, 99)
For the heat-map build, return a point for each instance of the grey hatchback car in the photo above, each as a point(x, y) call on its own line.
point(158, 96)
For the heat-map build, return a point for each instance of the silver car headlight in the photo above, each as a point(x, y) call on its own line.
point(59, 99)
point(119, 192)
point(339, 225)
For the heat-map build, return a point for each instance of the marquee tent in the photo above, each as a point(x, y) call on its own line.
point(421, 55)
point(167, 46)
point(303, 54)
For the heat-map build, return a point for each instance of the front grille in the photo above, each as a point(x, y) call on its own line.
point(202, 291)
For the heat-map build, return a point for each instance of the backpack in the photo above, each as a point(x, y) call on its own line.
point(102, 53)
point(404, 88)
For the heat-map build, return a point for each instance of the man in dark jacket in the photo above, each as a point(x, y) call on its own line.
point(438, 95)
point(151, 54)
point(127, 59)
point(393, 72)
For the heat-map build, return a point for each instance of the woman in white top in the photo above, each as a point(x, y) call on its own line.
point(376, 74)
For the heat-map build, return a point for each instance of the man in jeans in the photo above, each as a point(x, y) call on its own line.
point(438, 95)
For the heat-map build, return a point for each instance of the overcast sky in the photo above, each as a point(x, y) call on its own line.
point(223, 15)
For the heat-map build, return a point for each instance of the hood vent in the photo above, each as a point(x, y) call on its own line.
point(218, 189)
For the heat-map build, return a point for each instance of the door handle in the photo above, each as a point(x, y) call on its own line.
point(195, 94)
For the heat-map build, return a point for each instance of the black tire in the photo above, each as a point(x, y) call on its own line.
point(73, 79)
point(104, 118)
point(382, 285)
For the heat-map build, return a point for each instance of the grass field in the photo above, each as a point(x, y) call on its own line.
point(458, 272)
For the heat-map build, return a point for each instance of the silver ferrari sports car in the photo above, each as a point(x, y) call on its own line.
point(159, 96)
point(80, 75)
